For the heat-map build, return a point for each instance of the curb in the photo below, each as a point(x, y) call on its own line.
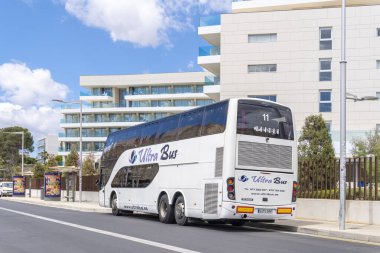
point(348, 235)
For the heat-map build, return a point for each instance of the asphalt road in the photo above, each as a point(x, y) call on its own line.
point(30, 228)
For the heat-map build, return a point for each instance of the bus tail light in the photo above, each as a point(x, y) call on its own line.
point(294, 193)
point(231, 188)
point(284, 210)
point(245, 209)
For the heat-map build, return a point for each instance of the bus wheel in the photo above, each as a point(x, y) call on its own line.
point(115, 210)
point(165, 210)
point(179, 214)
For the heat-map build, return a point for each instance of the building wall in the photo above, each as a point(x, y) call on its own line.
point(296, 53)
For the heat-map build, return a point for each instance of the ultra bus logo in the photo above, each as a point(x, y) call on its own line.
point(243, 178)
point(147, 155)
point(133, 157)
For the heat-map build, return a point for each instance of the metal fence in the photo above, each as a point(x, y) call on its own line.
point(322, 179)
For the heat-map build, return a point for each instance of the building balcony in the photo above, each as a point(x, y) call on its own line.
point(284, 5)
point(209, 59)
point(212, 87)
point(91, 97)
point(209, 29)
point(166, 96)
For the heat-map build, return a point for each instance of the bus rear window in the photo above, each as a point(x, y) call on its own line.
point(265, 120)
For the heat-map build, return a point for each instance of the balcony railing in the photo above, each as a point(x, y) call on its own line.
point(87, 94)
point(212, 80)
point(209, 51)
point(209, 21)
point(84, 135)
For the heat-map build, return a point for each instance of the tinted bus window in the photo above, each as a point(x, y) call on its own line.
point(191, 123)
point(264, 119)
point(148, 134)
point(215, 118)
point(135, 177)
point(133, 137)
point(167, 129)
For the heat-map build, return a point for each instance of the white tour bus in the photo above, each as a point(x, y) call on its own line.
point(231, 161)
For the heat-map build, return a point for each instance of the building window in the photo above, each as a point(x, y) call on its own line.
point(378, 32)
point(262, 68)
point(378, 128)
point(325, 72)
point(378, 64)
point(325, 101)
point(257, 38)
point(325, 38)
point(378, 95)
point(272, 98)
point(328, 125)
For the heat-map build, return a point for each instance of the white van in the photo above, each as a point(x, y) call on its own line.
point(6, 189)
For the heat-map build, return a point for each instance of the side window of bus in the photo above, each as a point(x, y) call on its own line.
point(148, 134)
point(167, 129)
point(190, 125)
point(133, 137)
point(139, 176)
point(215, 118)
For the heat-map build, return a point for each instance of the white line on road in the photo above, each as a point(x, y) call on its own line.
point(103, 232)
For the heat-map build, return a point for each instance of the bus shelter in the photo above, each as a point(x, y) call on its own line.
point(69, 173)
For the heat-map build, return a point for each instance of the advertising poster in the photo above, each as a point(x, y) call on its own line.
point(19, 185)
point(52, 185)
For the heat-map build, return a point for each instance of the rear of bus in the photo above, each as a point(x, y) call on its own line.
point(262, 173)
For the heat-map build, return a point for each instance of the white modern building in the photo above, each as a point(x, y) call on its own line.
point(289, 51)
point(47, 144)
point(115, 102)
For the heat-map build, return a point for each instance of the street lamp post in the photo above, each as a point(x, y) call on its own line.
point(343, 65)
point(80, 140)
point(22, 149)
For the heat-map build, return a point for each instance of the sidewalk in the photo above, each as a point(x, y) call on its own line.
point(78, 206)
point(356, 232)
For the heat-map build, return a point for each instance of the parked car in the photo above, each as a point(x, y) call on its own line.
point(6, 189)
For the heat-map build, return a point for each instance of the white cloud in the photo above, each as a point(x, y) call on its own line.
point(143, 23)
point(25, 99)
point(26, 87)
point(190, 65)
point(40, 121)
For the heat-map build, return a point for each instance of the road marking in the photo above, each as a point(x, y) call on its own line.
point(104, 232)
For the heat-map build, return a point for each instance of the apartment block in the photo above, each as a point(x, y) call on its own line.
point(289, 51)
point(114, 102)
point(47, 144)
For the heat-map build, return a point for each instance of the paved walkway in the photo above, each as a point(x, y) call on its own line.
point(356, 232)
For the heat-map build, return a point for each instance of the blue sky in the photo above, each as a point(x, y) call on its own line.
point(45, 45)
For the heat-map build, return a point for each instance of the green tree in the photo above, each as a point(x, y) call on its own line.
point(59, 159)
point(30, 160)
point(315, 141)
point(88, 167)
point(367, 146)
point(45, 156)
point(72, 159)
point(38, 170)
point(11, 144)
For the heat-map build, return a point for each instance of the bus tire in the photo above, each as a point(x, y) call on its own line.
point(179, 211)
point(115, 210)
point(165, 210)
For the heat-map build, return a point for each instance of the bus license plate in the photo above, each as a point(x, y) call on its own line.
point(266, 211)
